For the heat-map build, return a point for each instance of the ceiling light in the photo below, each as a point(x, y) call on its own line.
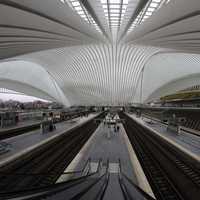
point(77, 6)
point(154, 5)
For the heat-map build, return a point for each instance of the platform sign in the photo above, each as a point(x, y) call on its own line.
point(173, 125)
point(99, 120)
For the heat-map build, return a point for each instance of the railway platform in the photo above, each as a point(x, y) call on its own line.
point(23, 126)
point(25, 143)
point(186, 142)
point(103, 166)
point(20, 124)
point(104, 147)
point(110, 147)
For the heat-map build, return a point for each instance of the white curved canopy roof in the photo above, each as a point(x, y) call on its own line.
point(103, 54)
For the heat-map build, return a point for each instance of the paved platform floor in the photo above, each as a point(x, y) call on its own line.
point(104, 147)
point(190, 143)
point(106, 144)
point(20, 124)
point(21, 144)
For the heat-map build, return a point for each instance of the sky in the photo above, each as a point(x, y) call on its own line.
point(21, 98)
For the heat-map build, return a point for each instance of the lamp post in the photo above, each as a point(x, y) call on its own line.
point(141, 84)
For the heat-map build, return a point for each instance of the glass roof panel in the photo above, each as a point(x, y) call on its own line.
point(79, 8)
point(114, 9)
point(147, 11)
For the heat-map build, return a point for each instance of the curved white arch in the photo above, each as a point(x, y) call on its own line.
point(80, 66)
point(166, 68)
point(31, 79)
point(110, 74)
point(176, 85)
point(95, 74)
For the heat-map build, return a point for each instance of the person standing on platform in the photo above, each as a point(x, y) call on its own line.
point(118, 128)
point(51, 124)
point(43, 123)
point(16, 119)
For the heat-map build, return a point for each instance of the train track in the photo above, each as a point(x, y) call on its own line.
point(5, 134)
point(171, 174)
point(18, 131)
point(45, 165)
point(183, 128)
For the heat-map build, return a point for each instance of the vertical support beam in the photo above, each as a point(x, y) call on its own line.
point(90, 10)
point(108, 7)
point(141, 85)
point(141, 5)
point(120, 14)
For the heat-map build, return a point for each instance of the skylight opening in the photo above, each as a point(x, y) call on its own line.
point(79, 8)
point(114, 11)
point(149, 9)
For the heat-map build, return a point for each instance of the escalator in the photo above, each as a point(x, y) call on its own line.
point(104, 183)
point(78, 185)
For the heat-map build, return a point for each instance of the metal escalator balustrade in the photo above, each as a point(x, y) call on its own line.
point(48, 159)
point(131, 191)
point(76, 178)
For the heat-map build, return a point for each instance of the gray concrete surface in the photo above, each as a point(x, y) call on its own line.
point(113, 148)
point(19, 125)
point(21, 144)
point(190, 143)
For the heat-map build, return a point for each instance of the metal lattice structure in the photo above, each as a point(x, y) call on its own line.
point(92, 52)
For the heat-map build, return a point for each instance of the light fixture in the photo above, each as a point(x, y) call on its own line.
point(79, 8)
point(114, 9)
point(147, 11)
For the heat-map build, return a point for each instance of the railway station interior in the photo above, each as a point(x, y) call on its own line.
point(99, 99)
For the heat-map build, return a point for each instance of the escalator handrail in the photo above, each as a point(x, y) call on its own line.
point(79, 171)
point(99, 165)
point(105, 185)
point(123, 187)
point(90, 187)
point(102, 190)
point(49, 186)
point(141, 191)
point(52, 186)
point(50, 192)
point(85, 190)
point(46, 174)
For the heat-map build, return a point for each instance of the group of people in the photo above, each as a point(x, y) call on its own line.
point(111, 129)
point(116, 128)
point(111, 126)
point(47, 124)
